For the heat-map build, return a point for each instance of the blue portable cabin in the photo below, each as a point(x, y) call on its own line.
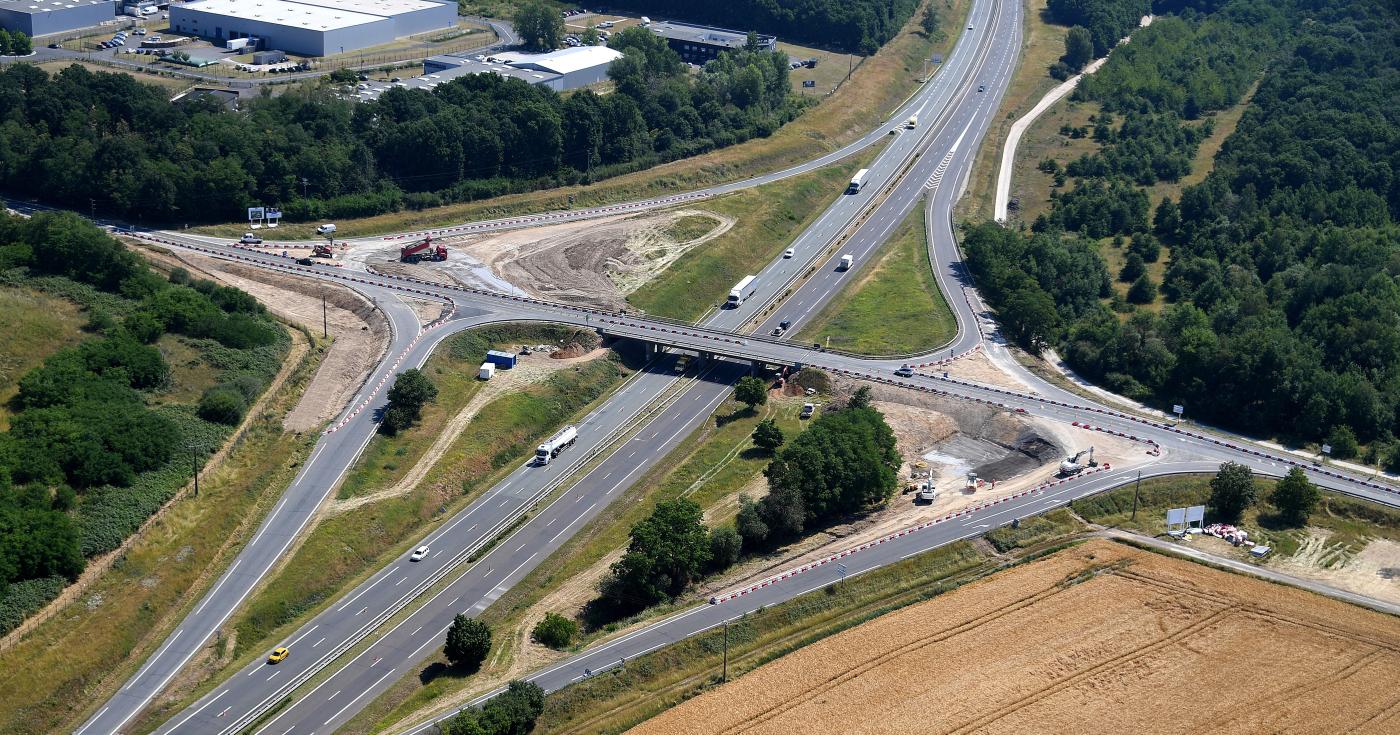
point(503, 359)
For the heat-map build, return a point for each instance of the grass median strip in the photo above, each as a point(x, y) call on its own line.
point(895, 308)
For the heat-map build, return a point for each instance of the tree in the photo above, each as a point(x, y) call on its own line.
point(513, 712)
point(767, 436)
point(1030, 318)
point(4, 42)
point(541, 28)
point(752, 529)
point(555, 631)
point(929, 20)
point(1133, 268)
point(669, 549)
point(222, 405)
point(725, 545)
point(1079, 48)
point(1343, 442)
point(860, 398)
point(1143, 290)
point(590, 36)
point(1232, 491)
point(752, 391)
point(468, 642)
point(412, 389)
point(1295, 497)
point(20, 44)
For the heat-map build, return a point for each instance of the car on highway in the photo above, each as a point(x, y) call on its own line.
point(278, 655)
point(904, 371)
point(305, 261)
point(981, 88)
point(789, 253)
point(249, 239)
point(418, 554)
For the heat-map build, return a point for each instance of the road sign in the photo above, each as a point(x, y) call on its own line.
point(1176, 517)
point(937, 59)
point(842, 569)
point(1326, 448)
point(255, 213)
point(1178, 409)
point(1196, 514)
point(809, 82)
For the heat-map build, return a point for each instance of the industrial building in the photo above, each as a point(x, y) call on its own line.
point(568, 68)
point(311, 27)
point(699, 44)
point(46, 17)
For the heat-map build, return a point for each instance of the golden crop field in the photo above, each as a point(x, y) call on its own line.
point(1099, 638)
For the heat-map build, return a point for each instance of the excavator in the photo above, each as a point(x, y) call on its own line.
point(1072, 466)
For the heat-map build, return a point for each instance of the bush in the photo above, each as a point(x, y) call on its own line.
point(767, 436)
point(222, 405)
point(555, 631)
point(19, 600)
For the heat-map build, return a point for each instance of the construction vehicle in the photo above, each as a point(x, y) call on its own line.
point(926, 493)
point(1071, 467)
point(556, 444)
point(322, 250)
point(422, 250)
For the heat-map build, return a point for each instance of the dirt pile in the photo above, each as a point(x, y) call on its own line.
point(1136, 636)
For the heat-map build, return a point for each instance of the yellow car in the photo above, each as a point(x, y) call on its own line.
point(278, 654)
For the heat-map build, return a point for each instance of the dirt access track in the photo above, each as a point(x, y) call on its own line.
point(1100, 637)
point(596, 262)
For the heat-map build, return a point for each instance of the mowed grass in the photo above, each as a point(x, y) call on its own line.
point(345, 548)
point(1043, 44)
point(691, 227)
point(58, 674)
point(895, 308)
point(35, 326)
point(877, 87)
point(710, 465)
point(766, 219)
point(619, 698)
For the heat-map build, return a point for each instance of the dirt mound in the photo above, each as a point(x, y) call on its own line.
point(573, 349)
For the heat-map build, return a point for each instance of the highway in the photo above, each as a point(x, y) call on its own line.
point(933, 158)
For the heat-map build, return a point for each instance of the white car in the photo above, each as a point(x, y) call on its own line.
point(789, 253)
point(418, 554)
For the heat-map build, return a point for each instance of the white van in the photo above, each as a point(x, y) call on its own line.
point(326, 229)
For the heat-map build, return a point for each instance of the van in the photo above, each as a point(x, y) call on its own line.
point(807, 410)
point(326, 229)
point(847, 261)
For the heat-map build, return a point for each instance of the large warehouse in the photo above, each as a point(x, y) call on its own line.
point(702, 44)
point(312, 27)
point(44, 17)
point(568, 68)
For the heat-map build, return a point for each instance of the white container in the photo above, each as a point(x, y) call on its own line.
point(487, 371)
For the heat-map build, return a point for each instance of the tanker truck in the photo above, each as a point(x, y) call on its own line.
point(555, 444)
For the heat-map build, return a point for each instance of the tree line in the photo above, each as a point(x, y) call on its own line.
point(82, 461)
point(1283, 313)
point(15, 43)
point(97, 140)
point(859, 26)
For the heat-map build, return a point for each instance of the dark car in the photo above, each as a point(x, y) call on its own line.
point(904, 371)
point(305, 261)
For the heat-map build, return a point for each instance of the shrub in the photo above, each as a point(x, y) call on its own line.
point(222, 405)
point(725, 545)
point(555, 631)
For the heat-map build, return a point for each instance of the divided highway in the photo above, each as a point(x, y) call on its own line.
point(932, 160)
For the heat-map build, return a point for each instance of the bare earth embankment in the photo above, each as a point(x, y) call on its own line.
point(1098, 638)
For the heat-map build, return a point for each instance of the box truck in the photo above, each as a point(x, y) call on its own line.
point(858, 181)
point(847, 261)
point(742, 291)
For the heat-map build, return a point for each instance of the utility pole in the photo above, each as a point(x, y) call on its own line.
point(1136, 487)
point(303, 187)
point(92, 203)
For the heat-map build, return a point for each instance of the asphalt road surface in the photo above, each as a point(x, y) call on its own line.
point(936, 157)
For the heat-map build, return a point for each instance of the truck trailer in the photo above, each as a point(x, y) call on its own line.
point(858, 181)
point(556, 444)
point(742, 291)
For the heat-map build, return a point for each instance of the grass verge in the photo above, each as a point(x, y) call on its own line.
point(877, 86)
point(895, 308)
point(766, 219)
point(57, 674)
point(709, 467)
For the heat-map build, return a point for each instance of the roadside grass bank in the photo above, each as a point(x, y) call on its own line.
point(58, 674)
point(896, 307)
point(877, 86)
point(387, 459)
point(35, 325)
point(766, 220)
point(711, 465)
point(345, 549)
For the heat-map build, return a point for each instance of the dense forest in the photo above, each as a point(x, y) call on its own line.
point(85, 139)
point(1106, 20)
point(859, 26)
point(1282, 278)
point(91, 451)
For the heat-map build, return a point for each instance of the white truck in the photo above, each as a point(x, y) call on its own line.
point(847, 261)
point(324, 230)
point(237, 44)
point(912, 122)
point(742, 291)
point(858, 181)
point(250, 239)
point(556, 444)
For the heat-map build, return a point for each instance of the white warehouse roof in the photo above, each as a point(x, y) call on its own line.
point(563, 61)
point(286, 13)
point(383, 8)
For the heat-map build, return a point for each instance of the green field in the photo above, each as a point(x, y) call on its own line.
point(895, 308)
point(35, 325)
point(766, 219)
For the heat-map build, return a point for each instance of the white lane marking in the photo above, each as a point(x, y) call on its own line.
point(201, 709)
point(306, 469)
point(317, 643)
point(94, 719)
point(303, 635)
point(274, 675)
point(366, 607)
point(208, 598)
point(571, 525)
point(367, 690)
